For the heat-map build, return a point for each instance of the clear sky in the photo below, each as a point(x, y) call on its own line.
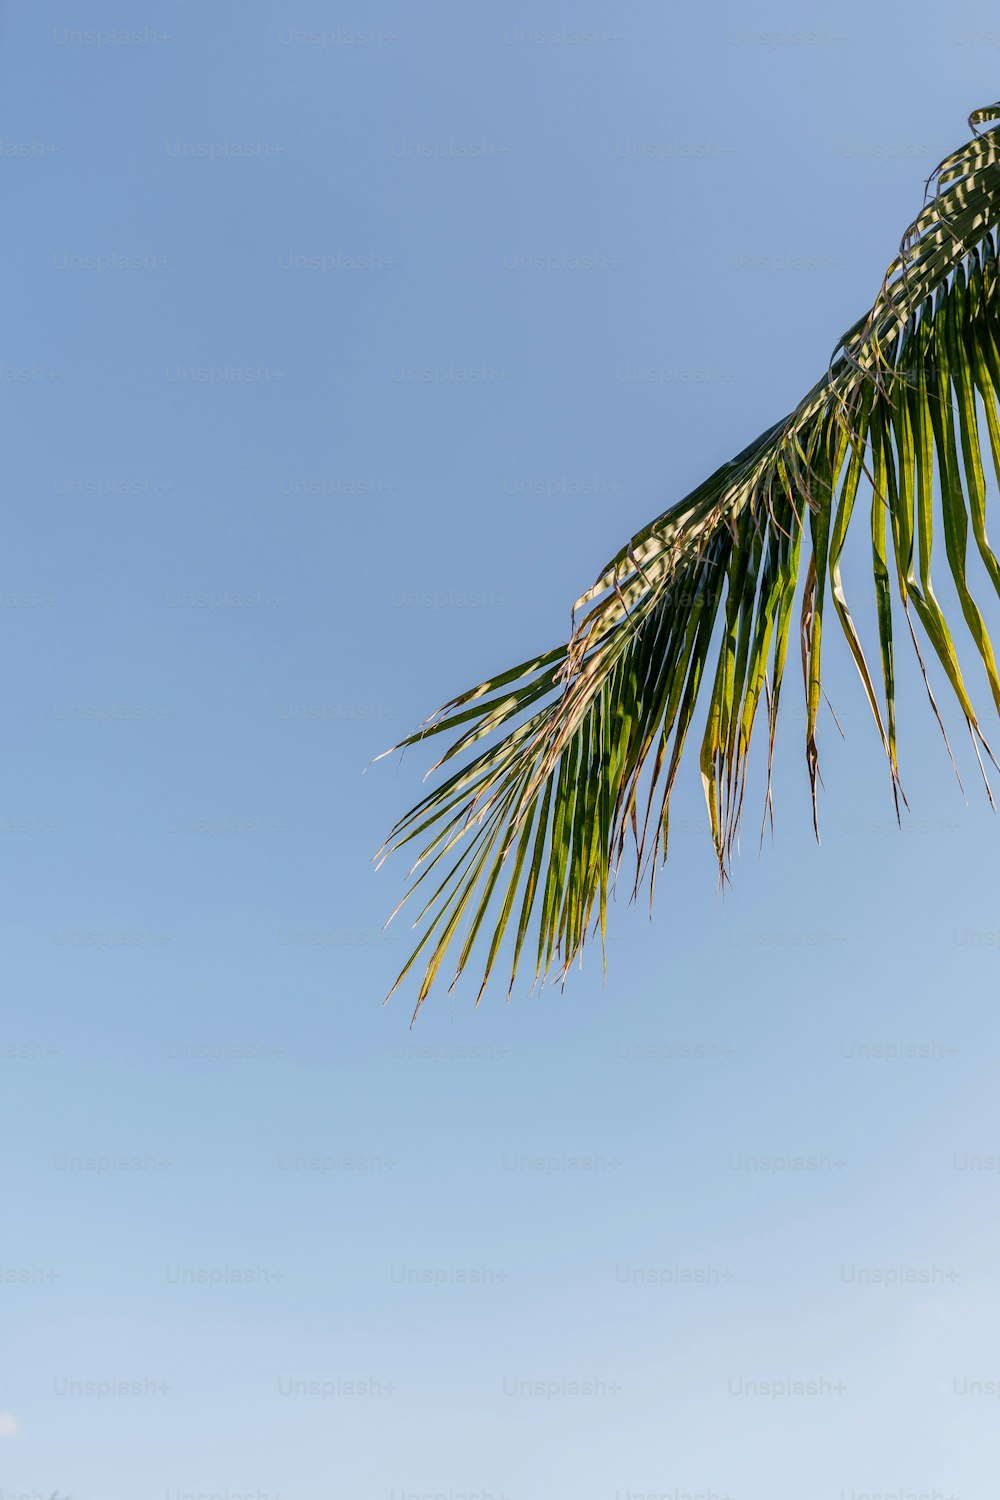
point(682, 1233)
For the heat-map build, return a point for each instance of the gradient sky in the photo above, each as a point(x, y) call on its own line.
point(261, 1238)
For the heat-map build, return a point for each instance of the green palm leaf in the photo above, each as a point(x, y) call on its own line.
point(584, 742)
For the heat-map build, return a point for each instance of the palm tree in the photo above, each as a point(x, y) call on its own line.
point(699, 605)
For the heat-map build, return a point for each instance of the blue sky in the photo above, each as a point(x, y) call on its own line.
point(343, 346)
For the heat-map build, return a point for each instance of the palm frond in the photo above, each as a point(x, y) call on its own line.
point(584, 742)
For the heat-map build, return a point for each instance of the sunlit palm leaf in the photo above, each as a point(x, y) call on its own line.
point(528, 831)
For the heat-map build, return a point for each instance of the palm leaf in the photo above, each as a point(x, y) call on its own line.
point(584, 742)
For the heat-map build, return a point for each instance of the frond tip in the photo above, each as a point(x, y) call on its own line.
point(584, 742)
